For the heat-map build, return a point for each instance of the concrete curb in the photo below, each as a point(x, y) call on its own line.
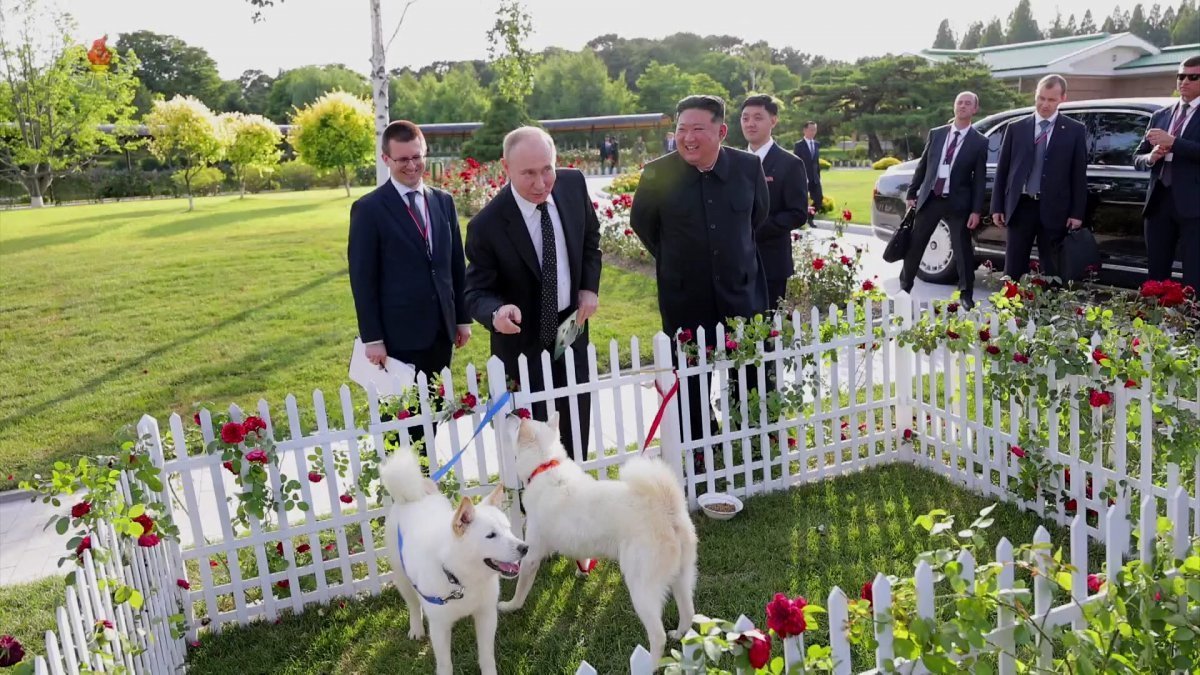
point(854, 228)
point(8, 496)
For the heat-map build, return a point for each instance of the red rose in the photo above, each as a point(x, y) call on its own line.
point(952, 307)
point(608, 213)
point(785, 617)
point(868, 285)
point(232, 433)
point(1016, 450)
point(228, 466)
point(11, 651)
point(818, 264)
point(951, 334)
point(1011, 290)
point(524, 413)
point(183, 583)
point(1137, 342)
point(868, 593)
point(303, 548)
point(257, 456)
point(628, 232)
point(1172, 297)
point(1099, 356)
point(908, 434)
point(846, 261)
point(1094, 583)
point(1020, 358)
point(791, 442)
point(314, 477)
point(731, 344)
point(846, 215)
point(1151, 289)
point(284, 583)
point(404, 414)
point(146, 523)
point(196, 418)
point(441, 391)
point(774, 333)
point(469, 400)
point(253, 423)
point(84, 545)
point(213, 564)
point(1035, 266)
point(985, 335)
point(148, 540)
point(81, 509)
point(279, 548)
point(758, 645)
point(1131, 384)
point(993, 350)
point(1099, 399)
point(346, 499)
point(685, 336)
point(458, 413)
point(1079, 311)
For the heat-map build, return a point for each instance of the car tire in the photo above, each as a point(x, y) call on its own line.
point(940, 264)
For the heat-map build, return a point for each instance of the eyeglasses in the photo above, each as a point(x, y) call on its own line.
point(1192, 77)
point(401, 161)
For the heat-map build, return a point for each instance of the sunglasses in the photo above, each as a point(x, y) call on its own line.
point(1191, 77)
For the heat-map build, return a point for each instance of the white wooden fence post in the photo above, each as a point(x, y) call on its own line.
point(839, 644)
point(640, 663)
point(881, 592)
point(670, 439)
point(903, 305)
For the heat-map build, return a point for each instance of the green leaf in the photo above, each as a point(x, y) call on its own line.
point(136, 510)
point(70, 580)
point(135, 599)
point(62, 525)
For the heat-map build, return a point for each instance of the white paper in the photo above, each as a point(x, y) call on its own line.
point(568, 330)
point(391, 381)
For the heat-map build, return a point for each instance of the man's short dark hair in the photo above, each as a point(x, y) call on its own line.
point(1191, 62)
point(713, 104)
point(810, 123)
point(401, 131)
point(764, 101)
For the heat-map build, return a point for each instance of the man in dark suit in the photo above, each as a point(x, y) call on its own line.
point(787, 187)
point(406, 263)
point(534, 253)
point(948, 186)
point(809, 150)
point(1171, 150)
point(1041, 181)
point(696, 211)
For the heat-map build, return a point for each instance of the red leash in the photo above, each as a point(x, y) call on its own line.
point(662, 409)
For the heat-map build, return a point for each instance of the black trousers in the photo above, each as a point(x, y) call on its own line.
point(776, 289)
point(430, 361)
point(562, 405)
point(1024, 228)
point(933, 211)
point(1169, 236)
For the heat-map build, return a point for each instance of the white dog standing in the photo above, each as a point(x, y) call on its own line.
point(447, 562)
point(641, 521)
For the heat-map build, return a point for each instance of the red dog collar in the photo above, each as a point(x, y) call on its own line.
point(544, 467)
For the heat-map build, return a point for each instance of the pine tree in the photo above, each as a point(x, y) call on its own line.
point(970, 39)
point(945, 37)
point(1138, 25)
point(992, 35)
point(1022, 27)
point(1088, 25)
point(1187, 25)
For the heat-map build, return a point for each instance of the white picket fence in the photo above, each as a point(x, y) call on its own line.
point(864, 389)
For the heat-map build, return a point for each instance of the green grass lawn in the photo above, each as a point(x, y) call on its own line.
point(112, 311)
point(850, 189)
point(776, 545)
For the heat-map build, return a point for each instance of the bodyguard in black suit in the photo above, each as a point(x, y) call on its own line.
point(1171, 150)
point(948, 186)
point(787, 188)
point(406, 262)
point(1041, 181)
point(809, 150)
point(534, 253)
point(696, 211)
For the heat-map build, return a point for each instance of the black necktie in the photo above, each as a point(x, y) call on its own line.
point(415, 209)
point(549, 323)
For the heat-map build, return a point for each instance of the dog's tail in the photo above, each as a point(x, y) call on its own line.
point(653, 481)
point(401, 475)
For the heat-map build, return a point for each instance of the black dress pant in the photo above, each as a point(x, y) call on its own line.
point(1024, 228)
point(430, 361)
point(1169, 236)
point(933, 211)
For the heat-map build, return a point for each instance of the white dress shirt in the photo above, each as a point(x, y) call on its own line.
point(812, 146)
point(1188, 113)
point(424, 208)
point(1037, 126)
point(762, 152)
point(533, 222)
point(944, 168)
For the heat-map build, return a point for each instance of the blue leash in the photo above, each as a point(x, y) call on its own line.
point(437, 476)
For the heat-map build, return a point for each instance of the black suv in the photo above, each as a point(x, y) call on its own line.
point(1116, 191)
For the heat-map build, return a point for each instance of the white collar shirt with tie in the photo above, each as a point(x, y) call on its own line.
point(1037, 126)
point(944, 167)
point(1189, 111)
point(812, 146)
point(421, 205)
point(533, 222)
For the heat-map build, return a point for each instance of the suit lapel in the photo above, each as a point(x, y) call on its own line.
point(518, 233)
point(399, 210)
point(568, 215)
point(437, 224)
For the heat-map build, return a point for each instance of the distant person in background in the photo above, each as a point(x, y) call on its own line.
point(1171, 149)
point(604, 154)
point(614, 152)
point(809, 150)
point(669, 142)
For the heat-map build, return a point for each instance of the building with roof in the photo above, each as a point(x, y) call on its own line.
point(1100, 65)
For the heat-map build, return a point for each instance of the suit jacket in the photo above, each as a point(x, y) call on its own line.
point(812, 164)
point(787, 187)
point(401, 295)
point(968, 174)
point(705, 255)
point(504, 268)
point(1185, 163)
point(1064, 171)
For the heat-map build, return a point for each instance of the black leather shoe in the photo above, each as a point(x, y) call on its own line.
point(967, 303)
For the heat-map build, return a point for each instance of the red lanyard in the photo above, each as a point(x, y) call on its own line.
point(423, 230)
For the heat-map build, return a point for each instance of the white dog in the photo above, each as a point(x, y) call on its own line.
point(447, 562)
point(641, 521)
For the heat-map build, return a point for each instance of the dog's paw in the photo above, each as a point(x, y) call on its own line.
point(509, 606)
point(416, 632)
point(674, 635)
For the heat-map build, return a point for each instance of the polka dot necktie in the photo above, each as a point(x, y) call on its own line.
point(549, 318)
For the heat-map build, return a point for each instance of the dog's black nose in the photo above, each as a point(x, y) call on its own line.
point(523, 549)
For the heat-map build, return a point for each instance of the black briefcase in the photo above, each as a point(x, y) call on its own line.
point(1080, 255)
point(898, 247)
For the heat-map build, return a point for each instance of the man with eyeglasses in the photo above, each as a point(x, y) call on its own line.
point(1171, 150)
point(407, 269)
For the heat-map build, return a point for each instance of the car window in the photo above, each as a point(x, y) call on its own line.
point(995, 138)
point(1114, 136)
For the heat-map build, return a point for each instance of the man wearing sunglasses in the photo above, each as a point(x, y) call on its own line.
point(1171, 150)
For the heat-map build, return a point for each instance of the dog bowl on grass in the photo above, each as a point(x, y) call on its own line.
point(720, 506)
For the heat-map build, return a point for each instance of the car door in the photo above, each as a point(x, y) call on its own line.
point(989, 235)
point(1116, 190)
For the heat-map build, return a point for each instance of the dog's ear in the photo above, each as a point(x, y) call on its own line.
point(553, 422)
point(463, 516)
point(496, 498)
point(526, 433)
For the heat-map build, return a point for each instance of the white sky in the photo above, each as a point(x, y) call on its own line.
point(303, 32)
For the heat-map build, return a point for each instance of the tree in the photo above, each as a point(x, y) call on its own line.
point(1187, 24)
point(171, 67)
point(993, 34)
point(576, 84)
point(1088, 25)
point(185, 133)
point(661, 87)
point(51, 102)
point(1022, 27)
point(1116, 22)
point(758, 59)
point(1138, 24)
point(248, 94)
point(294, 89)
point(971, 38)
point(514, 66)
point(252, 142)
point(1059, 29)
point(1162, 28)
point(503, 115)
point(336, 132)
point(945, 37)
